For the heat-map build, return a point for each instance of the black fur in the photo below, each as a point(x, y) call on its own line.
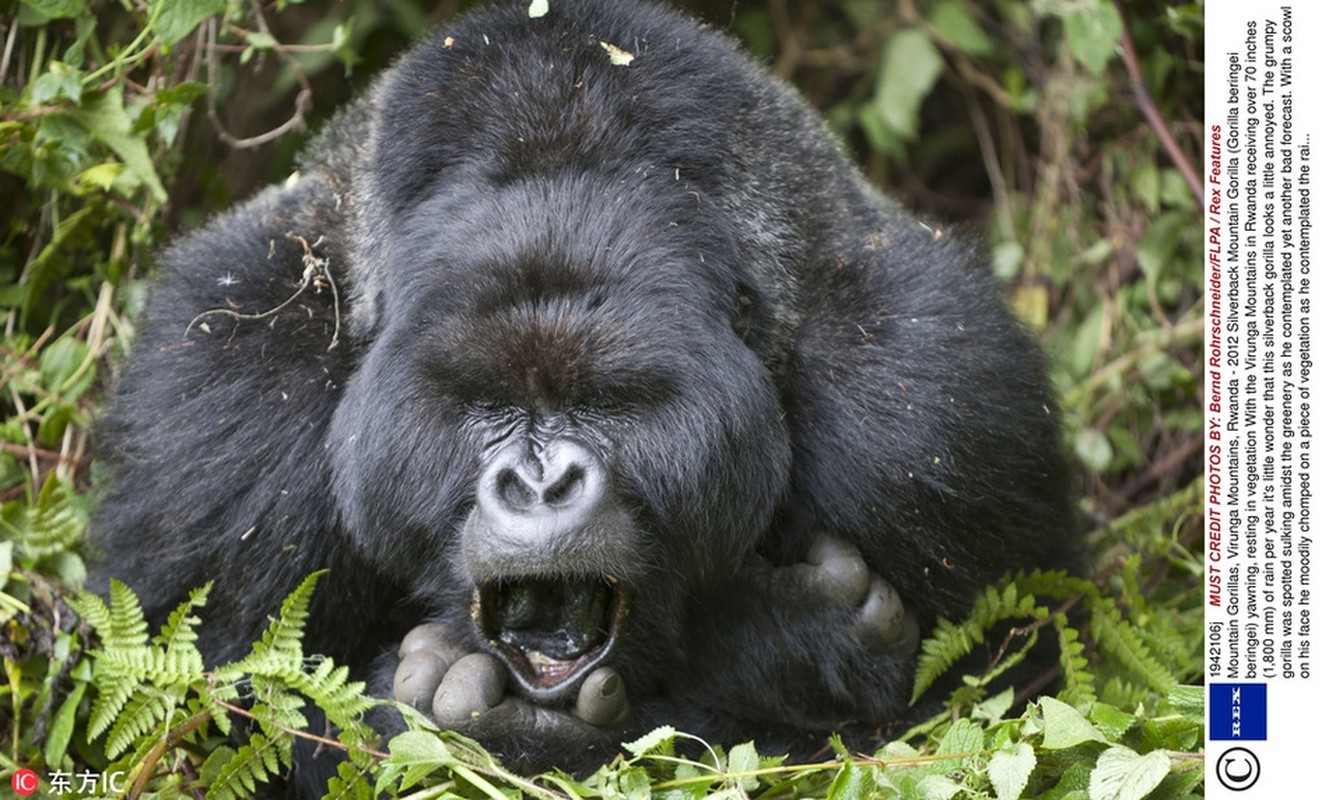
point(669, 263)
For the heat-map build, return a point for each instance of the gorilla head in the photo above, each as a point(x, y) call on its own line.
point(555, 406)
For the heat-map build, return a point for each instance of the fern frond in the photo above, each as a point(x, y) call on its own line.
point(284, 635)
point(177, 636)
point(951, 642)
point(92, 609)
point(343, 701)
point(938, 653)
point(350, 783)
point(145, 711)
point(128, 626)
point(1121, 693)
point(112, 695)
point(257, 762)
point(1078, 683)
point(56, 522)
point(1119, 639)
point(1056, 584)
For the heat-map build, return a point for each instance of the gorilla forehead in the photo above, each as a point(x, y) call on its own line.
point(563, 291)
point(636, 228)
point(507, 99)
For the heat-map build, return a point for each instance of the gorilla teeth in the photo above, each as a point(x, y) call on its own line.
point(549, 630)
point(549, 670)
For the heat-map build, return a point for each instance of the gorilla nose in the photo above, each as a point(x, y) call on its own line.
point(550, 512)
point(563, 478)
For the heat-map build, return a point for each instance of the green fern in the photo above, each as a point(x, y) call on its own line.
point(136, 680)
point(951, 642)
point(52, 526)
point(344, 702)
point(240, 773)
point(1121, 640)
point(154, 694)
point(1077, 681)
point(282, 641)
point(351, 782)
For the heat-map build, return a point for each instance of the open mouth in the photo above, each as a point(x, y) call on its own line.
point(550, 631)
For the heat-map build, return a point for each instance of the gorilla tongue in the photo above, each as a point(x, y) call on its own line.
point(553, 626)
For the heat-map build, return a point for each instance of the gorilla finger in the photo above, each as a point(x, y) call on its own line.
point(417, 678)
point(432, 637)
point(834, 571)
point(888, 627)
point(473, 685)
point(602, 699)
point(524, 720)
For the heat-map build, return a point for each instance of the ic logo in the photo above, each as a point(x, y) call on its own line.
point(1238, 769)
point(24, 782)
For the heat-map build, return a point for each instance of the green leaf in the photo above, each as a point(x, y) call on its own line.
point(176, 18)
point(1111, 720)
point(1085, 346)
point(952, 21)
point(743, 758)
point(62, 726)
point(1123, 774)
point(60, 361)
point(100, 177)
point(1093, 449)
point(418, 747)
point(1159, 245)
point(105, 117)
point(996, 706)
point(59, 80)
point(658, 739)
point(1064, 727)
point(40, 12)
point(908, 72)
point(1188, 701)
point(851, 782)
point(1093, 31)
point(936, 787)
point(1009, 770)
point(1007, 258)
point(964, 739)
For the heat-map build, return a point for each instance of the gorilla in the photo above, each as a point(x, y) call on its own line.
point(607, 390)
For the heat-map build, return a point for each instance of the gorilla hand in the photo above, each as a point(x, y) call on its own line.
point(834, 575)
point(469, 692)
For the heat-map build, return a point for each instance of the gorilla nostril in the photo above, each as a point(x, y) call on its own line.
point(567, 488)
point(514, 492)
point(563, 477)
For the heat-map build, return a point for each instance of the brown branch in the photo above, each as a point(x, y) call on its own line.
point(23, 451)
point(1145, 103)
point(298, 733)
point(303, 100)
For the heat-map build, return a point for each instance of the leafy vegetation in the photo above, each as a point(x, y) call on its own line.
point(1063, 130)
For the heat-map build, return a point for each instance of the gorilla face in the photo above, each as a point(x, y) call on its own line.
point(569, 419)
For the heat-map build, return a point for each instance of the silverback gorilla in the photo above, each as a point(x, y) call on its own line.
point(607, 390)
